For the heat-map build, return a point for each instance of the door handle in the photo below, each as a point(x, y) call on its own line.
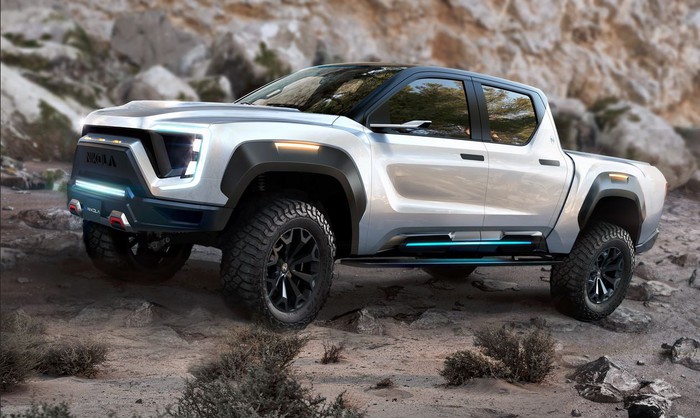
point(472, 157)
point(553, 163)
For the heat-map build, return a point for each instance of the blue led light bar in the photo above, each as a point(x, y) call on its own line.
point(100, 188)
point(465, 243)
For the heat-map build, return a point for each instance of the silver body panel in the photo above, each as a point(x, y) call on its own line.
point(414, 185)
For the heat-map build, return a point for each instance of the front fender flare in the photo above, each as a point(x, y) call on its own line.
point(251, 159)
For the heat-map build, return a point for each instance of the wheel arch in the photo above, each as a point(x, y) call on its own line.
point(307, 170)
point(614, 201)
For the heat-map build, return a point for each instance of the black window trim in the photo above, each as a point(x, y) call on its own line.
point(475, 120)
point(537, 106)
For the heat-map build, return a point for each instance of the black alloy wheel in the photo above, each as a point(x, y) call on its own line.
point(292, 270)
point(605, 277)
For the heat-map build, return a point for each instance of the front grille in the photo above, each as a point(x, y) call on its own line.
point(169, 153)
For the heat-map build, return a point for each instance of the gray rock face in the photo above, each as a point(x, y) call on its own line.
point(686, 351)
point(603, 381)
point(431, 319)
point(54, 218)
point(156, 83)
point(149, 38)
point(575, 124)
point(647, 406)
point(488, 285)
point(231, 58)
point(633, 131)
point(626, 320)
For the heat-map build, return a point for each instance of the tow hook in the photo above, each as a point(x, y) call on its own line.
point(75, 208)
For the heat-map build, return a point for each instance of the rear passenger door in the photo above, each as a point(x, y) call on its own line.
point(527, 174)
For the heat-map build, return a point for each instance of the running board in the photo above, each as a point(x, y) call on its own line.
point(421, 262)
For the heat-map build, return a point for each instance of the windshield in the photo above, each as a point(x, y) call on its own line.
point(332, 90)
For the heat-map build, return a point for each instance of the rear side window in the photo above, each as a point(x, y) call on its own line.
point(511, 116)
point(442, 102)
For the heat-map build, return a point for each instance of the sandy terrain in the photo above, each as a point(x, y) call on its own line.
point(156, 332)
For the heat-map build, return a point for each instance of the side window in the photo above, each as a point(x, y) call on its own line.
point(511, 116)
point(442, 102)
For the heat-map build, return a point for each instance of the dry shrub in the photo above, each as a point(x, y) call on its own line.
point(249, 347)
point(253, 378)
point(332, 353)
point(464, 365)
point(44, 410)
point(384, 383)
point(20, 348)
point(502, 353)
point(73, 358)
point(20, 322)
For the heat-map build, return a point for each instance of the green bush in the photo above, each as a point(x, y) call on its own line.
point(503, 354)
point(73, 358)
point(253, 378)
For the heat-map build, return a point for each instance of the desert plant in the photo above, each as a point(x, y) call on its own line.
point(43, 410)
point(248, 347)
point(384, 383)
point(73, 358)
point(502, 353)
point(332, 353)
point(19, 356)
point(20, 322)
point(20, 342)
point(253, 378)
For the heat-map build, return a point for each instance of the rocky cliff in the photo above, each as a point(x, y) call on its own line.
point(642, 54)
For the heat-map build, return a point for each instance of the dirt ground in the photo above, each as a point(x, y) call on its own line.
point(187, 319)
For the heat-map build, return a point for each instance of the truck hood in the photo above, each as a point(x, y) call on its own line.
point(144, 114)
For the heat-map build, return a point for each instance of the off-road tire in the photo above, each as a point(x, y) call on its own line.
point(449, 272)
point(569, 280)
point(110, 252)
point(247, 256)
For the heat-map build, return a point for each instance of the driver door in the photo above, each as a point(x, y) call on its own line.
point(426, 180)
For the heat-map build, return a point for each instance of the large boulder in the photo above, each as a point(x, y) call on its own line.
point(156, 83)
point(604, 381)
point(237, 63)
point(149, 38)
point(35, 121)
point(685, 351)
point(626, 130)
point(627, 320)
point(631, 131)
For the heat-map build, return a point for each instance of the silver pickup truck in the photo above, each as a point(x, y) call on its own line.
point(370, 164)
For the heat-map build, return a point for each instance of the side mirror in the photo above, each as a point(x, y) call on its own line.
point(402, 127)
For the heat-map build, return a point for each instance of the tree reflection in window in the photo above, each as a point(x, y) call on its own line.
point(511, 116)
point(443, 102)
point(332, 90)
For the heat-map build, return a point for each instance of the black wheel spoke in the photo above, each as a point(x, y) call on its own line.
point(291, 270)
point(605, 277)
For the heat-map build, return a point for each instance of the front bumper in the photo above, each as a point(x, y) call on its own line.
point(146, 214)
